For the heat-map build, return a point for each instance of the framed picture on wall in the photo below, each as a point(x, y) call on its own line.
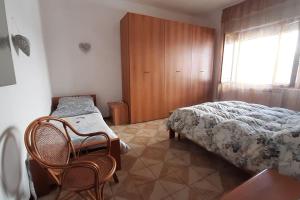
point(7, 72)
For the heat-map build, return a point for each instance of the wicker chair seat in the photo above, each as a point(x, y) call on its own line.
point(82, 177)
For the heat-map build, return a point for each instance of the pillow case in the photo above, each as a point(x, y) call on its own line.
point(73, 106)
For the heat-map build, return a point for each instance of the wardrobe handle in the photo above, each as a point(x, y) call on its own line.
point(202, 71)
point(177, 70)
point(146, 72)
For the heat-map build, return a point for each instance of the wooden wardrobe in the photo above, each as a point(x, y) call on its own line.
point(165, 65)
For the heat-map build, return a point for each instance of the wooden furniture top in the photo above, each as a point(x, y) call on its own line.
point(55, 100)
point(117, 103)
point(268, 184)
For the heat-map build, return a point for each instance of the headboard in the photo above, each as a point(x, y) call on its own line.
point(56, 99)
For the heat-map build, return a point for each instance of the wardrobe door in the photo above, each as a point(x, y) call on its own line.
point(178, 61)
point(146, 41)
point(202, 65)
point(124, 30)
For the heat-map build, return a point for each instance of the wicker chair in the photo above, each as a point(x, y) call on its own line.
point(48, 141)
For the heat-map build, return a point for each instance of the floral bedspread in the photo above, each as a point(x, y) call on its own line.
point(251, 136)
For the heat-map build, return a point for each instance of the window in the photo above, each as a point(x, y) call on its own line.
point(261, 56)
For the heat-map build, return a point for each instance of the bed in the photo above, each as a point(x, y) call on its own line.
point(85, 117)
point(251, 136)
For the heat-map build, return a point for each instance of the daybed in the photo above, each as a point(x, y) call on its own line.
point(85, 117)
point(251, 136)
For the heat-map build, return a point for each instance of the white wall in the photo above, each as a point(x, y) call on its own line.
point(30, 97)
point(66, 23)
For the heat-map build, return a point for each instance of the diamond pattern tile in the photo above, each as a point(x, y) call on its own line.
point(159, 168)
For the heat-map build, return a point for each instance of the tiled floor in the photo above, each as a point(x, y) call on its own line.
point(159, 168)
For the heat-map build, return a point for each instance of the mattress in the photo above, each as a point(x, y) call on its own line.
point(251, 136)
point(89, 123)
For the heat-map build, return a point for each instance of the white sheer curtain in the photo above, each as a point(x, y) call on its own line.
point(262, 56)
point(261, 53)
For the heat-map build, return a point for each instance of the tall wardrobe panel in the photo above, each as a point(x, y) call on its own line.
point(124, 30)
point(146, 61)
point(202, 65)
point(165, 65)
point(178, 63)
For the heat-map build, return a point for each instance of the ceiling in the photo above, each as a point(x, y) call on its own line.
point(191, 7)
